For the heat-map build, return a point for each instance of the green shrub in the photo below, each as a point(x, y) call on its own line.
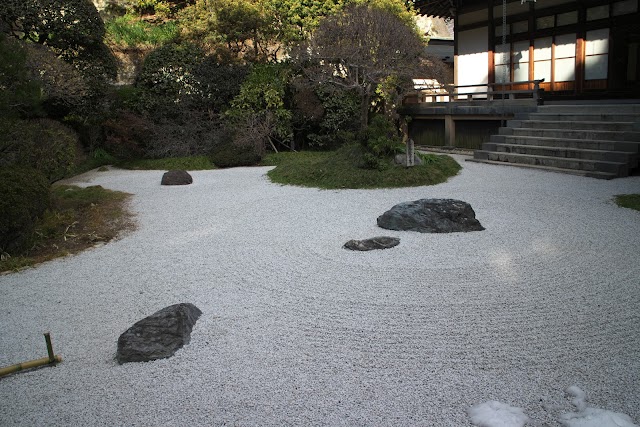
point(43, 144)
point(181, 92)
point(127, 96)
point(20, 96)
point(428, 158)
point(95, 159)
point(152, 7)
point(24, 196)
point(53, 148)
point(193, 136)
point(219, 83)
point(167, 78)
point(371, 161)
point(381, 137)
point(102, 157)
point(259, 115)
point(381, 141)
point(230, 155)
point(126, 134)
point(64, 89)
point(194, 163)
point(326, 117)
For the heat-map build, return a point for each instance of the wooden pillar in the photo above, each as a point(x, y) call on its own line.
point(456, 38)
point(491, 33)
point(580, 59)
point(531, 62)
point(580, 49)
point(450, 130)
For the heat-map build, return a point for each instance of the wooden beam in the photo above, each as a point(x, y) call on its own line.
point(450, 130)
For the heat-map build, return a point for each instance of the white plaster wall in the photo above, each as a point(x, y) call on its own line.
point(472, 66)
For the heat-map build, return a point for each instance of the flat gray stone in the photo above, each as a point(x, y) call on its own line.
point(176, 177)
point(158, 336)
point(431, 216)
point(381, 242)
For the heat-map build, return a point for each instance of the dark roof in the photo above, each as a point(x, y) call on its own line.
point(441, 8)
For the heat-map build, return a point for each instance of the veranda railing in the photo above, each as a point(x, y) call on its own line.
point(488, 92)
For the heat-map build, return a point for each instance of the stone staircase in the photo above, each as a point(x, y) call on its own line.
point(595, 140)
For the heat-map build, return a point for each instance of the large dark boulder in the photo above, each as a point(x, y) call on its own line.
point(431, 216)
point(381, 242)
point(158, 336)
point(176, 177)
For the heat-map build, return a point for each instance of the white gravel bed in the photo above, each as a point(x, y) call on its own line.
point(298, 331)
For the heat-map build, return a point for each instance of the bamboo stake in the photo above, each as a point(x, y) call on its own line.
point(47, 339)
point(28, 365)
point(51, 359)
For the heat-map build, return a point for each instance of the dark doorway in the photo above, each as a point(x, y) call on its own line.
point(625, 65)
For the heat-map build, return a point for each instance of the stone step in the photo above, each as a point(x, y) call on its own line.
point(597, 108)
point(591, 174)
point(563, 152)
point(617, 168)
point(600, 135)
point(586, 117)
point(598, 140)
point(586, 144)
point(576, 125)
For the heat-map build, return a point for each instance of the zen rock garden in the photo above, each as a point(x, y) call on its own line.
point(423, 216)
point(163, 333)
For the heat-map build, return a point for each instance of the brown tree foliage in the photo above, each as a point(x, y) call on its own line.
point(367, 50)
point(62, 84)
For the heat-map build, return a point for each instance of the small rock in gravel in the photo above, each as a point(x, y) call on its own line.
point(176, 177)
point(381, 242)
point(158, 336)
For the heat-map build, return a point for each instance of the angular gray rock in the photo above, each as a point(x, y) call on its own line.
point(381, 242)
point(158, 336)
point(431, 216)
point(401, 159)
point(176, 177)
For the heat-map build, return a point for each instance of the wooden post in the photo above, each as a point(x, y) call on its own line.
point(47, 339)
point(537, 94)
point(450, 130)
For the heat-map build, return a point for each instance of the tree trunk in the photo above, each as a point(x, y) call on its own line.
point(364, 107)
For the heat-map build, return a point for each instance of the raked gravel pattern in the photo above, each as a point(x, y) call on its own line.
point(298, 331)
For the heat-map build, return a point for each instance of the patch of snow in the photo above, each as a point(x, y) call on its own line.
point(592, 417)
point(497, 414)
point(579, 397)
